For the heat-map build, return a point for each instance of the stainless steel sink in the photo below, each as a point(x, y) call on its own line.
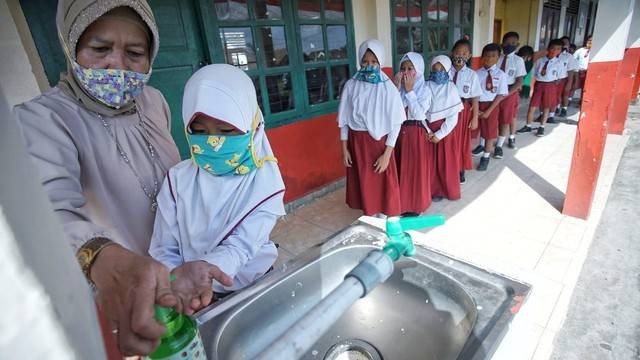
point(432, 307)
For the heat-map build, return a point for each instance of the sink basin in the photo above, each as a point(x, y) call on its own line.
point(432, 307)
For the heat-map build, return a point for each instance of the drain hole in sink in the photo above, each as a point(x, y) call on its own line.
point(353, 349)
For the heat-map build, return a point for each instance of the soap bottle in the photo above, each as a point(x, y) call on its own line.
point(181, 340)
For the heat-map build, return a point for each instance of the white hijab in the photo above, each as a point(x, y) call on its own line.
point(445, 98)
point(213, 206)
point(379, 106)
point(418, 63)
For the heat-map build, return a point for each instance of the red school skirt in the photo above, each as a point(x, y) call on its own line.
point(544, 95)
point(461, 135)
point(413, 157)
point(366, 190)
point(508, 109)
point(489, 126)
point(445, 173)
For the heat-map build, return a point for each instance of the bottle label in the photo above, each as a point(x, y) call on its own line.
point(194, 351)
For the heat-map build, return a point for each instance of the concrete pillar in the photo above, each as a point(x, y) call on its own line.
point(609, 40)
point(626, 76)
point(483, 16)
point(636, 85)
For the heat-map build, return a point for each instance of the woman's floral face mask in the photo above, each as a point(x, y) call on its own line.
point(112, 87)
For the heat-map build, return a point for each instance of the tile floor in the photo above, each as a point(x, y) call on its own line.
point(508, 220)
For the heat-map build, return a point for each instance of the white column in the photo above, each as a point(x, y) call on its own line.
point(483, 17)
point(563, 15)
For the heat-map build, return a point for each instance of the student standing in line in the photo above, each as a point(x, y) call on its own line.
point(526, 53)
point(566, 76)
point(546, 70)
point(370, 117)
point(512, 65)
point(493, 83)
point(469, 90)
point(442, 118)
point(412, 150)
point(582, 56)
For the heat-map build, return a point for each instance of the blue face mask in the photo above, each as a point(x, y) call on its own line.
point(439, 77)
point(223, 155)
point(369, 73)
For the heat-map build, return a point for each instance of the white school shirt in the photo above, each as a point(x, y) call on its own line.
point(467, 82)
point(498, 79)
point(514, 68)
point(582, 58)
point(568, 64)
point(553, 69)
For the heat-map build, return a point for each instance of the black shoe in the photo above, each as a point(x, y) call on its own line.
point(524, 129)
point(563, 113)
point(484, 162)
point(497, 152)
point(512, 143)
point(538, 119)
point(437, 198)
point(409, 213)
point(551, 120)
point(462, 179)
point(540, 132)
point(477, 150)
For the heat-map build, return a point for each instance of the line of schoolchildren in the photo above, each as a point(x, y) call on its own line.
point(406, 141)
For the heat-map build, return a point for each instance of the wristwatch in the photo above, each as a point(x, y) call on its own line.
point(88, 252)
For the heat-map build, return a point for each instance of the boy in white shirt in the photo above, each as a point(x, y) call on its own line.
point(513, 66)
point(493, 83)
point(546, 71)
point(582, 58)
point(567, 74)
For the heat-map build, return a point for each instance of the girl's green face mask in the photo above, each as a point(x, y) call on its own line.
point(223, 155)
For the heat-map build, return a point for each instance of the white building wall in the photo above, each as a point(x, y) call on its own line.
point(483, 17)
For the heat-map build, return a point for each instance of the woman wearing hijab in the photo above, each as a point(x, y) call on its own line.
point(219, 207)
point(102, 144)
point(412, 148)
point(369, 117)
point(442, 118)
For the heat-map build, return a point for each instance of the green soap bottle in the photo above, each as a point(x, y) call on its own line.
point(181, 341)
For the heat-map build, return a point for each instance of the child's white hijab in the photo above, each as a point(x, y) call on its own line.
point(418, 64)
point(445, 98)
point(379, 106)
point(209, 206)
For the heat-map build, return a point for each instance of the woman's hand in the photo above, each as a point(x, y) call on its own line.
point(382, 163)
point(193, 283)
point(473, 124)
point(128, 286)
point(409, 80)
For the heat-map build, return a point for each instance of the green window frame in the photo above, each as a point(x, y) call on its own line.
point(429, 27)
point(299, 77)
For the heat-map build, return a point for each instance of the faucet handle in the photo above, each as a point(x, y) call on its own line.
point(399, 243)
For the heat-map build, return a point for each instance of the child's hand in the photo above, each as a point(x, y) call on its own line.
point(434, 139)
point(409, 80)
point(474, 123)
point(193, 284)
point(346, 158)
point(484, 115)
point(382, 163)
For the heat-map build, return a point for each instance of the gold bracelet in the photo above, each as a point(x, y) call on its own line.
point(88, 252)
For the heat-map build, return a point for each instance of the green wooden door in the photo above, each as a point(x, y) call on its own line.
point(181, 50)
point(180, 55)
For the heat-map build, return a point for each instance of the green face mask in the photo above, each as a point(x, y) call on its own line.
point(222, 155)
